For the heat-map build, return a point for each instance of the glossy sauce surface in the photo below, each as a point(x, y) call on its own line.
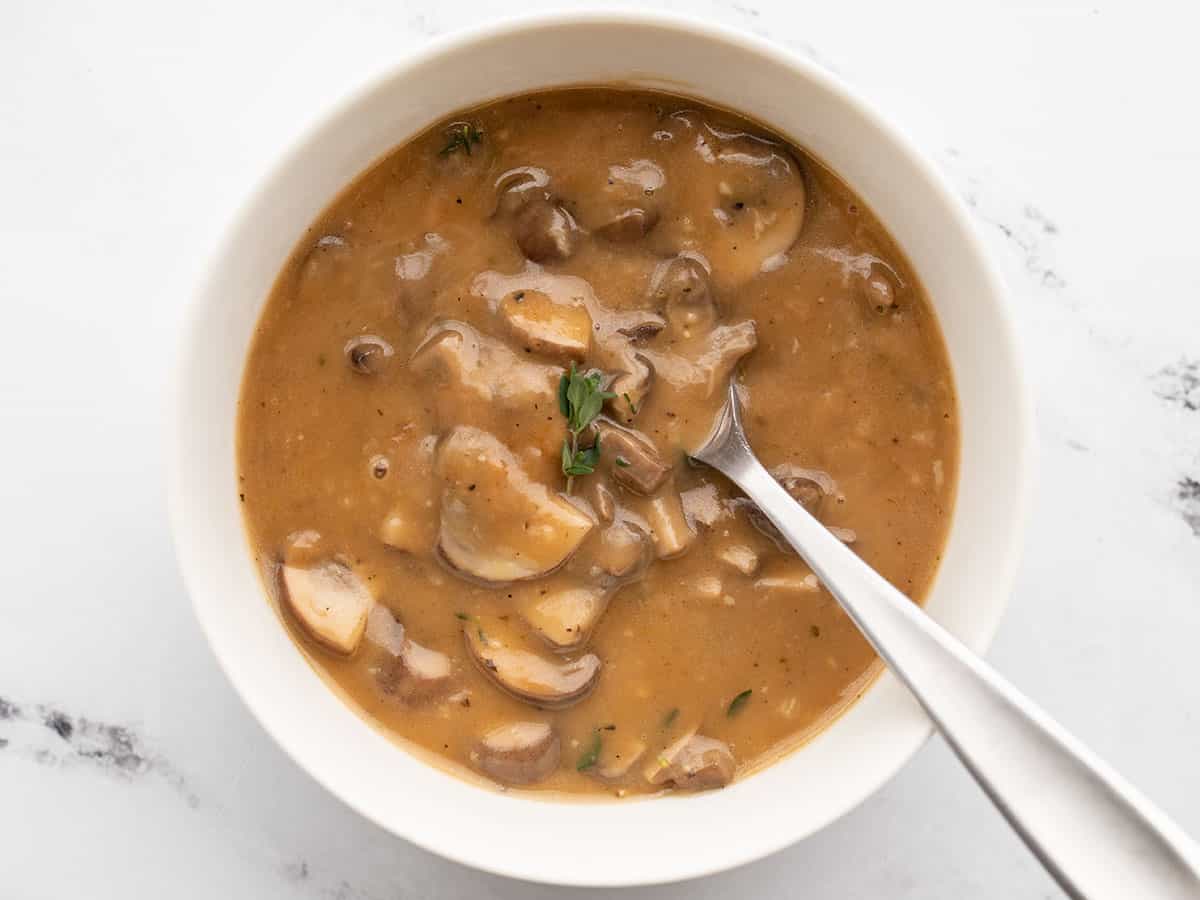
point(401, 440)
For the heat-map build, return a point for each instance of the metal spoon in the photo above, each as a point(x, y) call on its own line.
point(1095, 833)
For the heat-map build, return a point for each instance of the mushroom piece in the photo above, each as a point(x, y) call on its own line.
point(727, 344)
point(705, 362)
point(621, 551)
point(879, 294)
point(681, 286)
point(739, 557)
point(544, 326)
point(601, 499)
point(518, 753)
point(408, 671)
point(745, 205)
point(694, 762)
point(367, 354)
point(631, 387)
point(619, 752)
point(634, 459)
point(545, 231)
point(564, 618)
point(639, 324)
point(330, 601)
point(809, 488)
point(623, 207)
point(484, 368)
point(516, 187)
point(629, 225)
point(702, 505)
point(669, 528)
point(498, 525)
point(303, 547)
point(526, 675)
point(404, 531)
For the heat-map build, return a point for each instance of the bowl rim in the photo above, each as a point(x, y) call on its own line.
point(915, 734)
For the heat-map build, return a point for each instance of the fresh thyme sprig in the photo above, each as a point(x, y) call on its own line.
point(580, 400)
point(461, 134)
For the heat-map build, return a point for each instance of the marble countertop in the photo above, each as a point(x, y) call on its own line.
point(128, 133)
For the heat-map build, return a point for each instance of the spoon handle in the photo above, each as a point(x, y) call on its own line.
point(1096, 834)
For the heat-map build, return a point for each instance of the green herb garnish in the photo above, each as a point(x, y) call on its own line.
point(461, 134)
point(623, 462)
point(462, 615)
point(670, 717)
point(580, 399)
point(591, 754)
point(738, 702)
point(632, 406)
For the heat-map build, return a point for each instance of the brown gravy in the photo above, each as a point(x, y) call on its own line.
point(401, 439)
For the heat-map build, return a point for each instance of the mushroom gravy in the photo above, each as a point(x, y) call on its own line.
point(463, 424)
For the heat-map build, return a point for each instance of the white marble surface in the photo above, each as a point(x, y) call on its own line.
point(128, 132)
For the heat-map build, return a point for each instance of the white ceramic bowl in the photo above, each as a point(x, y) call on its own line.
point(607, 843)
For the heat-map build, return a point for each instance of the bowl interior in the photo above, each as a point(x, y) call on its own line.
point(630, 842)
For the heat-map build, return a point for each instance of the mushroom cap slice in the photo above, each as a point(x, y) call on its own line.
point(518, 753)
point(694, 762)
point(670, 530)
point(329, 601)
point(497, 524)
point(744, 207)
point(622, 551)
point(546, 326)
point(545, 232)
point(550, 684)
point(408, 670)
point(564, 618)
point(634, 460)
point(618, 754)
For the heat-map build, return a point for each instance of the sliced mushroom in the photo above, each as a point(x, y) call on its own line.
point(626, 206)
point(619, 752)
point(330, 601)
point(564, 618)
point(544, 326)
point(809, 488)
point(739, 557)
point(403, 531)
point(601, 499)
point(545, 231)
point(879, 293)
point(705, 363)
point(727, 344)
point(368, 354)
point(497, 524)
point(408, 670)
point(303, 547)
point(622, 551)
point(745, 204)
point(518, 753)
point(639, 324)
point(485, 368)
point(634, 460)
point(631, 387)
point(702, 505)
point(681, 287)
point(790, 578)
point(669, 528)
point(629, 225)
point(549, 684)
point(694, 762)
point(518, 186)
